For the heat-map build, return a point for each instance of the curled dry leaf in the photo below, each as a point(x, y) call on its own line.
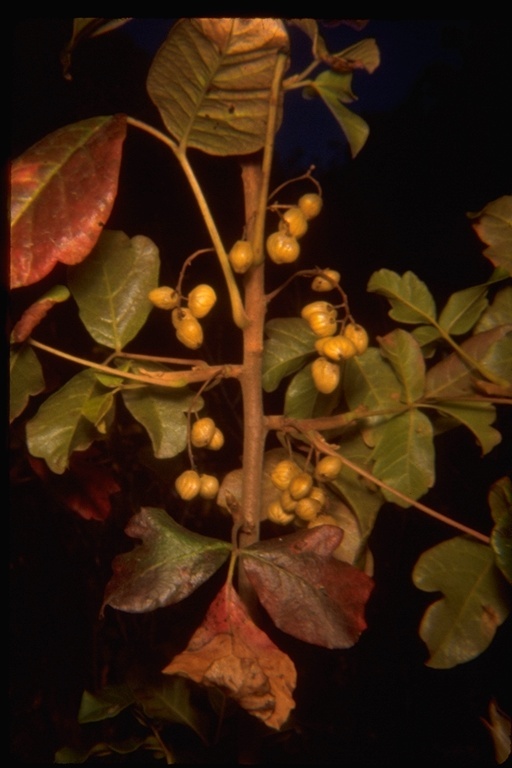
point(229, 652)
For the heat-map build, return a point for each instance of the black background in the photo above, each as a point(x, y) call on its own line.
point(439, 147)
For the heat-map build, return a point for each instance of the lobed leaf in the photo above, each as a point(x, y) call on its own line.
point(335, 89)
point(370, 380)
point(475, 602)
point(453, 377)
point(493, 226)
point(60, 426)
point(62, 193)
point(500, 503)
point(499, 312)
point(291, 342)
point(107, 703)
point(477, 417)
point(111, 288)
point(26, 379)
point(217, 98)
point(404, 455)
point(229, 652)
point(404, 354)
point(410, 299)
point(306, 591)
point(162, 413)
point(168, 566)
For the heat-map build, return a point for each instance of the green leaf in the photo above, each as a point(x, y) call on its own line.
point(476, 602)
point(500, 502)
point(26, 379)
point(68, 755)
point(371, 381)
point(494, 227)
point(62, 192)
point(453, 377)
point(211, 82)
point(425, 335)
point(60, 426)
point(410, 299)
point(463, 308)
point(404, 355)
point(364, 498)
point(291, 342)
point(162, 412)
point(111, 287)
point(335, 88)
point(304, 401)
point(404, 455)
point(168, 566)
point(477, 417)
point(499, 313)
point(169, 699)
point(107, 703)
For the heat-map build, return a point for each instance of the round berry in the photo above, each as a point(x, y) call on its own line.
point(282, 248)
point(241, 256)
point(201, 299)
point(310, 205)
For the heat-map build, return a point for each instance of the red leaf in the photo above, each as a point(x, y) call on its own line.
point(85, 488)
point(62, 192)
point(229, 652)
point(308, 593)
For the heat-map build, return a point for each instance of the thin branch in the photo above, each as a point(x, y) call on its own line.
point(170, 379)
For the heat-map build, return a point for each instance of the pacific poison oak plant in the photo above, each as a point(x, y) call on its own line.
point(359, 419)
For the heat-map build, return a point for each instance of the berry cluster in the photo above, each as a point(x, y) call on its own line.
point(185, 320)
point(283, 246)
point(301, 499)
point(332, 347)
point(204, 433)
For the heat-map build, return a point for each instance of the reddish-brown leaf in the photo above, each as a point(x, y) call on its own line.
point(307, 592)
point(85, 488)
point(229, 652)
point(62, 192)
point(37, 311)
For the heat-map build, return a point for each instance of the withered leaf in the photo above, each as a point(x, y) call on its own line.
point(229, 652)
point(307, 592)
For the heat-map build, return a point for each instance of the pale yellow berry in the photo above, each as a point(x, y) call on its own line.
point(310, 205)
point(319, 495)
point(358, 337)
point(295, 222)
point(164, 297)
point(241, 256)
point(338, 348)
point(202, 432)
point(317, 306)
point(190, 333)
point(209, 487)
point(326, 375)
point(322, 323)
point(217, 440)
point(300, 485)
point(287, 502)
point(179, 314)
point(328, 468)
point(283, 473)
point(282, 248)
point(308, 508)
point(187, 485)
point(201, 299)
point(322, 284)
point(276, 514)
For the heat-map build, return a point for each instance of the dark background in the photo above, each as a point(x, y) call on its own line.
point(439, 147)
